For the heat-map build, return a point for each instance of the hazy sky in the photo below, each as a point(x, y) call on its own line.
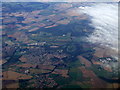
point(59, 0)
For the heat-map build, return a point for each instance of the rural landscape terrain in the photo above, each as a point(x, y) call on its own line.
point(44, 46)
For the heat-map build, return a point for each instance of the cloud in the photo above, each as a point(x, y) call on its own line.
point(105, 21)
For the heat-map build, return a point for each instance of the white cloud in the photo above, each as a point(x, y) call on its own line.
point(105, 20)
